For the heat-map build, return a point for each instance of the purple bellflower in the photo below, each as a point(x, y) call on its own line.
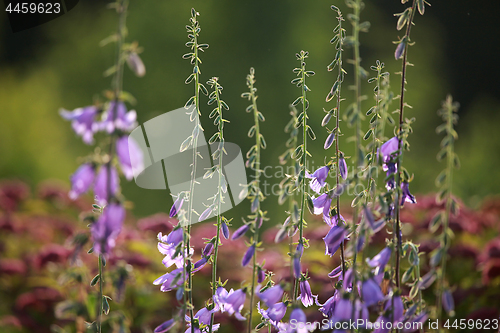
point(208, 249)
point(83, 122)
point(234, 301)
point(448, 303)
point(240, 231)
point(342, 167)
point(248, 255)
point(108, 226)
point(396, 310)
point(164, 327)
point(81, 180)
point(272, 295)
point(176, 207)
point(171, 280)
point(333, 239)
point(407, 196)
point(101, 184)
point(318, 178)
point(274, 314)
point(371, 292)
point(129, 153)
point(297, 269)
point(380, 260)
point(225, 230)
point(306, 296)
point(388, 148)
point(261, 275)
point(117, 117)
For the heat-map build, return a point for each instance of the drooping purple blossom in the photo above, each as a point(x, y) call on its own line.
point(395, 307)
point(208, 249)
point(391, 170)
point(225, 230)
point(274, 314)
point(306, 296)
point(129, 153)
point(407, 196)
point(448, 302)
point(199, 264)
point(380, 260)
point(117, 117)
point(165, 326)
point(322, 205)
point(102, 185)
point(240, 231)
point(176, 207)
point(248, 255)
point(427, 280)
point(369, 217)
point(81, 180)
point(83, 121)
point(388, 148)
point(371, 292)
point(342, 167)
point(175, 236)
point(171, 280)
point(234, 301)
point(297, 269)
point(318, 178)
point(172, 256)
point(271, 295)
point(329, 140)
point(343, 310)
point(261, 275)
point(206, 213)
point(108, 226)
point(412, 322)
point(204, 316)
point(335, 272)
point(398, 54)
point(333, 239)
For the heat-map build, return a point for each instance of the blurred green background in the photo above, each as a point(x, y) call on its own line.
point(60, 64)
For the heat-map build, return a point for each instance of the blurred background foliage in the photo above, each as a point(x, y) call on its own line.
point(60, 64)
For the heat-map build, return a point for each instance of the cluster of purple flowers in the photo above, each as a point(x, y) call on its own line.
point(104, 179)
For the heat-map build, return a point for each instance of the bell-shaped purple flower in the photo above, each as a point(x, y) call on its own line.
point(329, 306)
point(225, 230)
point(391, 170)
point(176, 207)
point(129, 154)
point(106, 229)
point(274, 314)
point(396, 310)
point(329, 140)
point(407, 196)
point(208, 249)
point(175, 236)
point(333, 239)
point(117, 117)
point(165, 326)
point(200, 264)
point(398, 54)
point(342, 167)
point(335, 272)
point(271, 295)
point(318, 178)
point(371, 292)
point(81, 180)
point(102, 186)
point(206, 213)
point(322, 204)
point(261, 275)
point(306, 296)
point(234, 302)
point(381, 324)
point(412, 322)
point(172, 256)
point(388, 148)
point(448, 302)
point(171, 280)
point(343, 310)
point(240, 231)
point(83, 122)
point(369, 217)
point(248, 255)
point(298, 316)
point(297, 269)
point(380, 260)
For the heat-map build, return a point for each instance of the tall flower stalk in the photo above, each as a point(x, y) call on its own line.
point(255, 194)
point(301, 150)
point(338, 40)
point(404, 18)
point(445, 181)
point(218, 198)
point(193, 30)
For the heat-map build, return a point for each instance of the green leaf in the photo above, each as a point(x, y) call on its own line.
point(368, 134)
point(185, 145)
point(95, 280)
point(435, 223)
point(441, 178)
point(421, 6)
point(407, 274)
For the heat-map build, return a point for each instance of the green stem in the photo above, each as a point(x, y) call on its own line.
point(400, 147)
point(304, 166)
point(219, 210)
point(257, 186)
